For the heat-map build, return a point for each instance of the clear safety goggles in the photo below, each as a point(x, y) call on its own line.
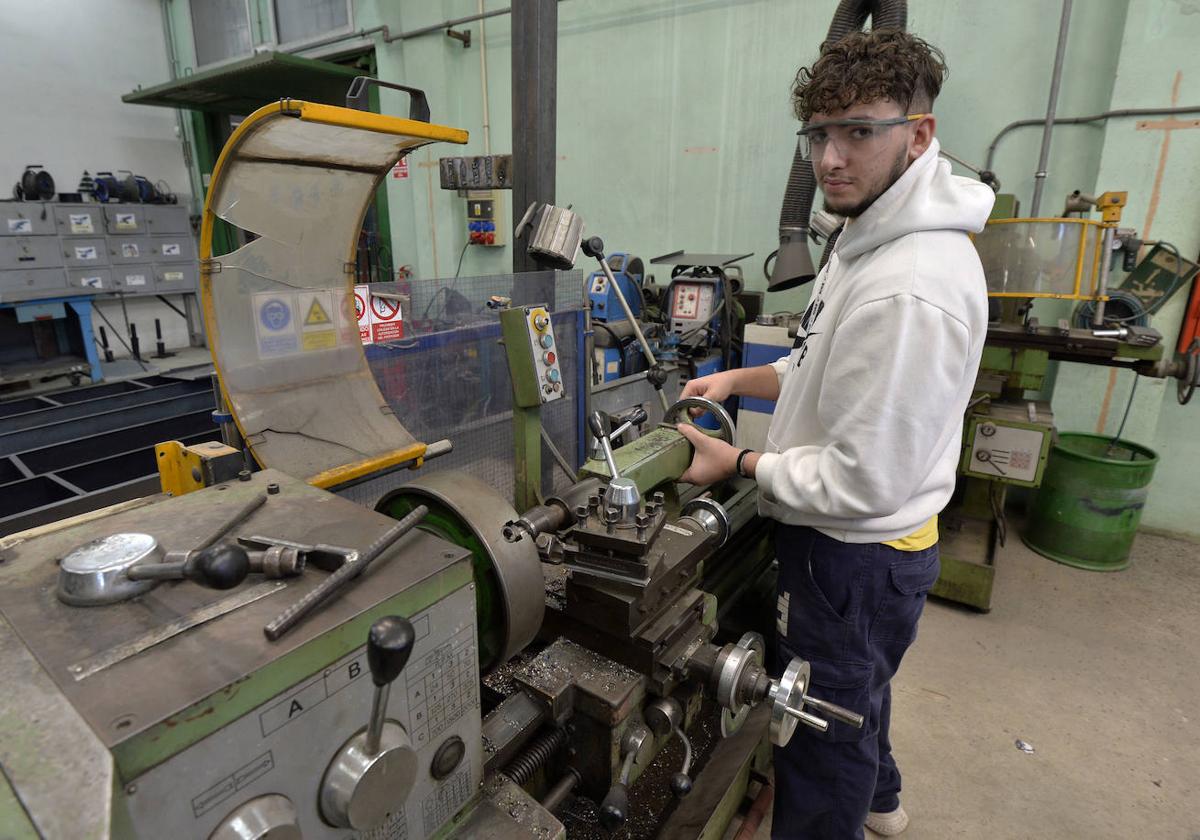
point(849, 137)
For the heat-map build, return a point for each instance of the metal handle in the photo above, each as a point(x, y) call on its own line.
point(337, 581)
point(835, 711)
point(596, 423)
point(356, 97)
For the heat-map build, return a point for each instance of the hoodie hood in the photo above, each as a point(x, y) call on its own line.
point(926, 197)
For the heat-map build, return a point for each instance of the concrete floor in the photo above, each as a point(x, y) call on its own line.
point(1097, 671)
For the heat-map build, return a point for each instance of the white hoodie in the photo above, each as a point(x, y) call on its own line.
point(865, 438)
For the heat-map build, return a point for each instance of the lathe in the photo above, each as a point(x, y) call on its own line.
point(250, 654)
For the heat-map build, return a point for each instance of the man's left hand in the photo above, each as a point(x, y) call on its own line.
point(714, 459)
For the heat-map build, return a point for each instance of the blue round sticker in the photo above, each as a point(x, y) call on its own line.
point(275, 314)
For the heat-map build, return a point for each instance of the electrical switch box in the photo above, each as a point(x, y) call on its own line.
point(532, 355)
point(485, 222)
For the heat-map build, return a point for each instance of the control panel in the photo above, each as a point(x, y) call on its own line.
point(1009, 450)
point(628, 272)
point(546, 365)
point(485, 225)
point(295, 762)
point(693, 303)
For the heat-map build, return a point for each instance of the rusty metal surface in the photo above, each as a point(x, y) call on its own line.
point(506, 812)
point(139, 692)
point(566, 674)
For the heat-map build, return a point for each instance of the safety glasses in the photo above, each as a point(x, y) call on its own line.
point(849, 137)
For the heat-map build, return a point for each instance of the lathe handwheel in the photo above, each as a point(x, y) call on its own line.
point(726, 431)
point(732, 719)
point(788, 694)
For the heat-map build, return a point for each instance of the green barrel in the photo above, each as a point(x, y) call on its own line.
point(1087, 510)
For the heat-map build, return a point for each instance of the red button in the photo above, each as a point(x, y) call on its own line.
point(490, 238)
point(550, 357)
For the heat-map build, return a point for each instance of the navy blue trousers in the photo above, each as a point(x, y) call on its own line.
point(851, 610)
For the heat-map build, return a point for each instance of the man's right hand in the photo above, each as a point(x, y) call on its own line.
point(717, 387)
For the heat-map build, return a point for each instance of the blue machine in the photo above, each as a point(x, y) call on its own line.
point(628, 272)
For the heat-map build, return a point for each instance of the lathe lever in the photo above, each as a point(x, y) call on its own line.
point(373, 773)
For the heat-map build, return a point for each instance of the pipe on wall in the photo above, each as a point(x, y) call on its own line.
point(1039, 177)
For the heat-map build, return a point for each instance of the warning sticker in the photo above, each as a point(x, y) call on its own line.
point(171, 249)
point(81, 223)
point(386, 319)
point(85, 252)
point(317, 332)
point(92, 282)
point(345, 316)
point(172, 276)
point(129, 250)
point(20, 226)
point(135, 279)
point(275, 324)
point(362, 314)
point(125, 221)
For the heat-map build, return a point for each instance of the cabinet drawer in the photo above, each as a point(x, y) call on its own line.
point(126, 250)
point(179, 248)
point(99, 279)
point(25, 252)
point(134, 279)
point(78, 220)
point(84, 253)
point(33, 280)
point(168, 220)
point(25, 218)
point(124, 218)
point(176, 278)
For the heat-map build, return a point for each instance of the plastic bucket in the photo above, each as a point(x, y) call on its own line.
point(1087, 510)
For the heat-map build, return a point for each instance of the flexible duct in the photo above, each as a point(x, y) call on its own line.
point(793, 263)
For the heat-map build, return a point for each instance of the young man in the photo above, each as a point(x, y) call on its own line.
point(863, 446)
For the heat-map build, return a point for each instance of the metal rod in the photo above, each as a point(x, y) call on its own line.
point(1102, 280)
point(378, 715)
point(637, 330)
point(241, 515)
point(562, 788)
point(558, 456)
point(342, 578)
point(808, 720)
point(1039, 182)
point(1103, 115)
point(446, 24)
point(834, 710)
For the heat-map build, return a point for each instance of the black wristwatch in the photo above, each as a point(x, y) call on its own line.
point(741, 457)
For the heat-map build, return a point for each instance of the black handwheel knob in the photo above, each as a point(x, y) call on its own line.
point(596, 424)
point(614, 810)
point(681, 785)
point(220, 566)
point(389, 644)
point(593, 246)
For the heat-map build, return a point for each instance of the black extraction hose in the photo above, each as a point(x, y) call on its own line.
point(793, 263)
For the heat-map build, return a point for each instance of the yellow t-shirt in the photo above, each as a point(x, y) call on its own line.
point(918, 540)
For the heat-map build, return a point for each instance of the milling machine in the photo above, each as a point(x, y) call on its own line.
point(249, 654)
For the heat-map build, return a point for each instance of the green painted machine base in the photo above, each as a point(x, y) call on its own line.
point(968, 570)
point(1078, 563)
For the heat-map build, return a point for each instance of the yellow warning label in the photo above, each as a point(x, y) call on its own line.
point(316, 315)
point(322, 340)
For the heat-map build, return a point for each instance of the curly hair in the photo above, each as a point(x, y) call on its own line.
point(866, 67)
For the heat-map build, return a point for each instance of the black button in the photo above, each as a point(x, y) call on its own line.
point(447, 757)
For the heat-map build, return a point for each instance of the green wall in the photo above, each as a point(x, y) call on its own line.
point(675, 131)
point(1157, 49)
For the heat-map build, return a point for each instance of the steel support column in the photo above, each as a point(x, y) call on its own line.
point(534, 111)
